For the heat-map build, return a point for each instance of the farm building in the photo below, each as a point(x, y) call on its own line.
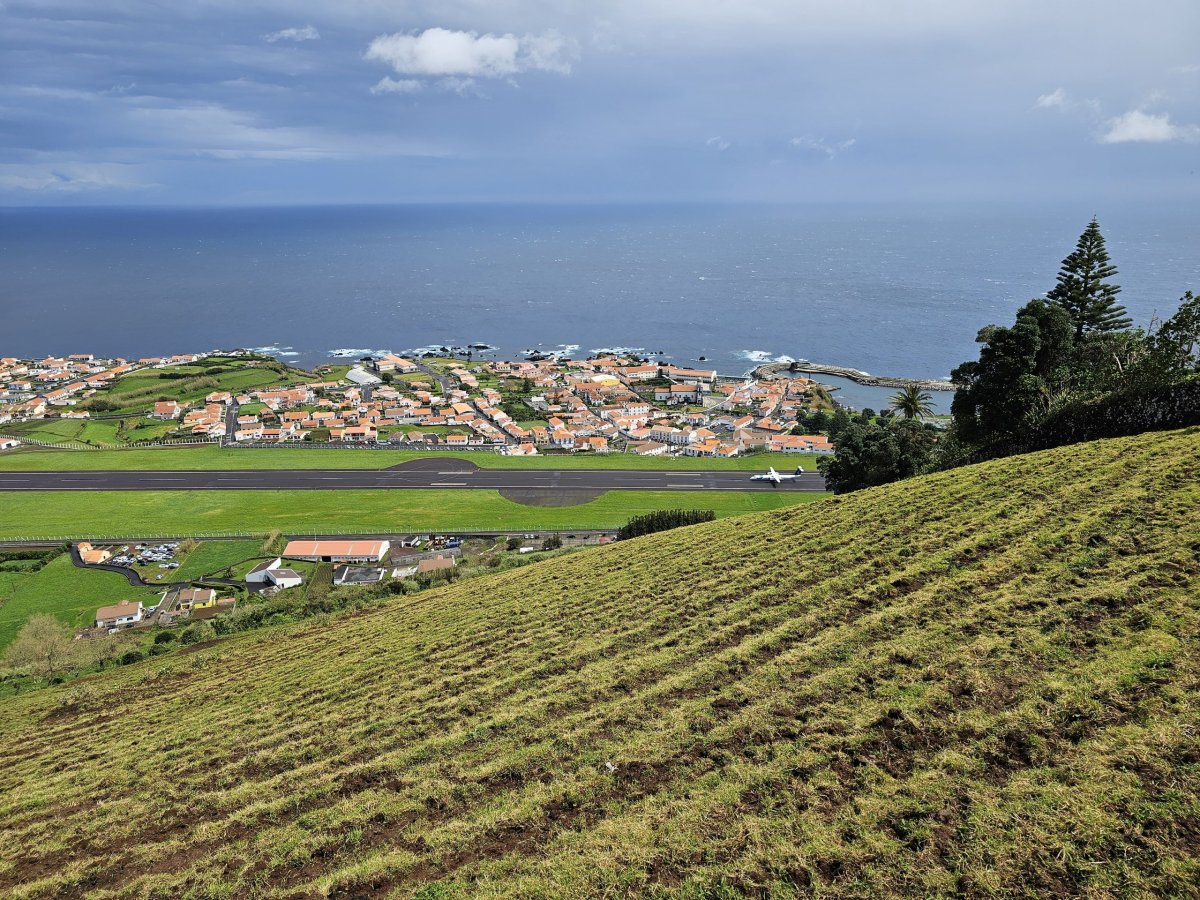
point(260, 573)
point(285, 578)
point(436, 563)
point(352, 575)
point(337, 551)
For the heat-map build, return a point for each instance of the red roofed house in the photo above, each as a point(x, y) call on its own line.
point(91, 555)
point(800, 443)
point(393, 363)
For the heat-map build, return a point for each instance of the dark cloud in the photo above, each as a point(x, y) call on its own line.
point(295, 100)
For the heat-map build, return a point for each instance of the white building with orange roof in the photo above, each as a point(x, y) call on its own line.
point(393, 363)
point(337, 551)
point(800, 443)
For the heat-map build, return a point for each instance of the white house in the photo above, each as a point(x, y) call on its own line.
point(127, 612)
point(285, 578)
point(260, 573)
point(8, 443)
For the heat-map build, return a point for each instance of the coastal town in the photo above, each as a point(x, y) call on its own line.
point(233, 402)
point(518, 408)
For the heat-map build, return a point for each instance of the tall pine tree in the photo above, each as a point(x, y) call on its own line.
point(1082, 289)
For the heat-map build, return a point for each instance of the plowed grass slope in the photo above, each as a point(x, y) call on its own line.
point(981, 683)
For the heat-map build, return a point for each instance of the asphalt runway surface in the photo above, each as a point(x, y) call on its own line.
point(429, 474)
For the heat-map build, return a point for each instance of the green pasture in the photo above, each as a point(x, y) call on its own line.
point(213, 457)
point(63, 590)
point(97, 514)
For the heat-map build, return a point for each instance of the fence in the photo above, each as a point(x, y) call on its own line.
point(54, 541)
point(358, 445)
point(137, 445)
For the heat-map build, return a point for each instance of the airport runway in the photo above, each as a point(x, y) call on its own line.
point(442, 475)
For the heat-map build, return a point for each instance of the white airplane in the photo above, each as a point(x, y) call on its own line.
point(775, 478)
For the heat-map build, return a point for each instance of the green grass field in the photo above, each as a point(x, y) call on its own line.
point(97, 432)
point(212, 457)
point(97, 514)
point(139, 390)
point(70, 593)
point(214, 556)
point(977, 684)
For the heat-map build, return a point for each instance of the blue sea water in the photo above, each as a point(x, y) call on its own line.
point(888, 289)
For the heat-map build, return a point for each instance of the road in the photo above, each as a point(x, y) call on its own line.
point(437, 474)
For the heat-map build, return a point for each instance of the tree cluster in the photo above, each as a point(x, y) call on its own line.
point(46, 648)
point(1070, 367)
point(663, 520)
point(1074, 348)
point(874, 454)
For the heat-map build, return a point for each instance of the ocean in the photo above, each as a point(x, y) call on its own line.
point(895, 290)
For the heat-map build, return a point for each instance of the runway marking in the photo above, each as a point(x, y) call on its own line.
point(448, 484)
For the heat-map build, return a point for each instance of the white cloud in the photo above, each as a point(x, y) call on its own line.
point(460, 86)
point(1061, 100)
point(389, 85)
point(1137, 126)
point(220, 132)
point(718, 142)
point(209, 129)
point(70, 178)
point(820, 145)
point(1056, 99)
point(1189, 69)
point(442, 52)
point(307, 33)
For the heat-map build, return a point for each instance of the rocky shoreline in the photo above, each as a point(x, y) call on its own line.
point(767, 370)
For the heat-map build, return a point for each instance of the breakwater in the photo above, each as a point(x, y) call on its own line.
point(802, 365)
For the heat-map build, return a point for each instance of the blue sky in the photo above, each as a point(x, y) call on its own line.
point(251, 102)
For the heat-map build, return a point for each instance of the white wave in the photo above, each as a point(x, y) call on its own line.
point(620, 351)
point(757, 356)
point(353, 351)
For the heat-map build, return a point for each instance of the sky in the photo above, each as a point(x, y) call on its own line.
point(249, 102)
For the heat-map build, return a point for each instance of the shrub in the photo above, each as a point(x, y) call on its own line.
point(663, 520)
point(197, 632)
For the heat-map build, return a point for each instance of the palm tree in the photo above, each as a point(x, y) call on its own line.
point(911, 401)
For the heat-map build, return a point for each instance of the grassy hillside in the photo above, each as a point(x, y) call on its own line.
point(981, 683)
point(63, 590)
